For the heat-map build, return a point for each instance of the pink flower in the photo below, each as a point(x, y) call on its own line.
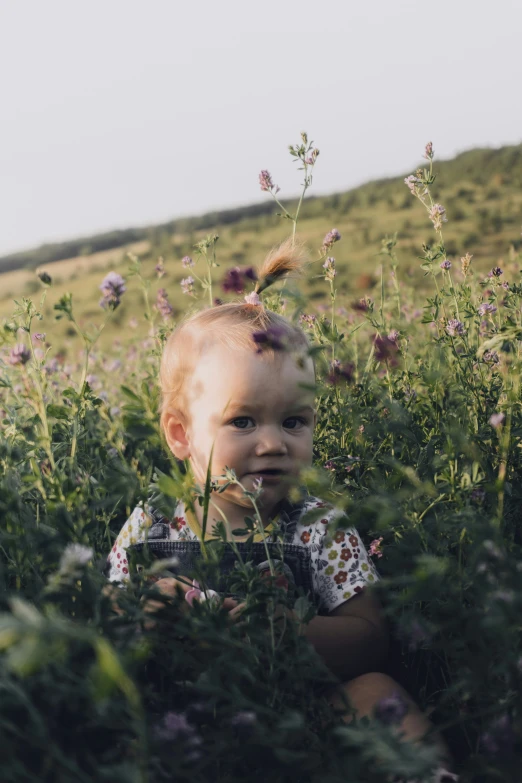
point(496, 419)
point(375, 547)
point(428, 152)
point(253, 298)
point(196, 594)
point(266, 183)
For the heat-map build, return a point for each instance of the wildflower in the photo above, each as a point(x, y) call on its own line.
point(478, 496)
point(330, 239)
point(19, 355)
point(499, 739)
point(112, 288)
point(340, 372)
point(393, 335)
point(187, 262)
point(329, 267)
point(496, 272)
point(187, 285)
point(310, 160)
point(491, 357)
point(454, 327)
point(375, 547)
point(163, 305)
point(235, 279)
point(445, 264)
point(160, 268)
point(173, 725)
point(75, 556)
point(308, 320)
point(265, 180)
point(253, 298)
point(485, 308)
point(385, 350)
point(38, 337)
point(412, 182)
point(271, 338)
point(428, 152)
point(329, 465)
point(45, 278)
point(362, 305)
point(465, 262)
point(391, 709)
point(197, 594)
point(497, 419)
point(438, 216)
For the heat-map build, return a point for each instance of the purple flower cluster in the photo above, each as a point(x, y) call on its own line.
point(445, 264)
point(163, 306)
point(428, 152)
point(308, 320)
point(187, 285)
point(160, 267)
point(413, 183)
point(496, 272)
point(270, 339)
point(311, 159)
point(362, 305)
point(386, 350)
point(438, 216)
point(266, 183)
point(455, 327)
point(329, 267)
point(390, 710)
point(330, 239)
point(486, 308)
point(19, 355)
point(340, 372)
point(491, 357)
point(112, 288)
point(187, 262)
point(236, 278)
point(175, 726)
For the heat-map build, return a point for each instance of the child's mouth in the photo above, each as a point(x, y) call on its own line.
point(269, 474)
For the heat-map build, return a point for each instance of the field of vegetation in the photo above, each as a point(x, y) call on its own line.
point(413, 308)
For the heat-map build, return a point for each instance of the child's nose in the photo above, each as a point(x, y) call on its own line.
point(271, 441)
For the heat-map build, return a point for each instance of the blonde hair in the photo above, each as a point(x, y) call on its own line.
point(231, 325)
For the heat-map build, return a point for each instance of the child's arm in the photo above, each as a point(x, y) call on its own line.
point(353, 638)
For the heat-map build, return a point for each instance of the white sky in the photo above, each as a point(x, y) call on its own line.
point(118, 113)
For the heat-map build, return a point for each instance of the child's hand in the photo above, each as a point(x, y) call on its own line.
point(234, 609)
point(168, 586)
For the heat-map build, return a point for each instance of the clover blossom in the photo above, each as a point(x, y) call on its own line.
point(496, 420)
point(485, 308)
point(385, 350)
point(362, 305)
point(266, 183)
point(19, 355)
point(491, 357)
point(75, 556)
point(496, 272)
point(187, 262)
point(187, 285)
point(235, 279)
point(330, 239)
point(438, 216)
point(112, 288)
point(455, 327)
point(428, 151)
point(340, 372)
point(308, 320)
point(392, 709)
point(329, 267)
point(446, 264)
point(375, 547)
point(163, 306)
point(393, 335)
point(413, 183)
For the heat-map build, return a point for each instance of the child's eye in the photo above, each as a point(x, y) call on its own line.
point(242, 422)
point(293, 422)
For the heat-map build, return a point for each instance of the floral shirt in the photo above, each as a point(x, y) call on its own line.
point(340, 564)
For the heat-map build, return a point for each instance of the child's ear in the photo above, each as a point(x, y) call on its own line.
point(176, 436)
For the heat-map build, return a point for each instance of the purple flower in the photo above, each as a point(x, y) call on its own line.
point(235, 279)
point(163, 305)
point(499, 739)
point(19, 355)
point(172, 725)
point(38, 337)
point(329, 465)
point(112, 288)
point(393, 335)
point(496, 419)
point(362, 305)
point(187, 285)
point(187, 262)
point(340, 372)
point(272, 338)
point(386, 350)
point(478, 496)
point(428, 152)
point(308, 320)
point(454, 327)
point(496, 272)
point(412, 182)
point(445, 264)
point(485, 307)
point(391, 709)
point(329, 267)
point(491, 357)
point(438, 216)
point(253, 298)
point(330, 239)
point(45, 278)
point(310, 160)
point(266, 183)
point(160, 268)
point(375, 548)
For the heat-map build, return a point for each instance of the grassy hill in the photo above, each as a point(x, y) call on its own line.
point(481, 190)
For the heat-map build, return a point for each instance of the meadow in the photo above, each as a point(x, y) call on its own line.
point(413, 309)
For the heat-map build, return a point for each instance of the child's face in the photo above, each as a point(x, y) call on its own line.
point(258, 418)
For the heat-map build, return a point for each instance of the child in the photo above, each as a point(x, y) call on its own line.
point(237, 389)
